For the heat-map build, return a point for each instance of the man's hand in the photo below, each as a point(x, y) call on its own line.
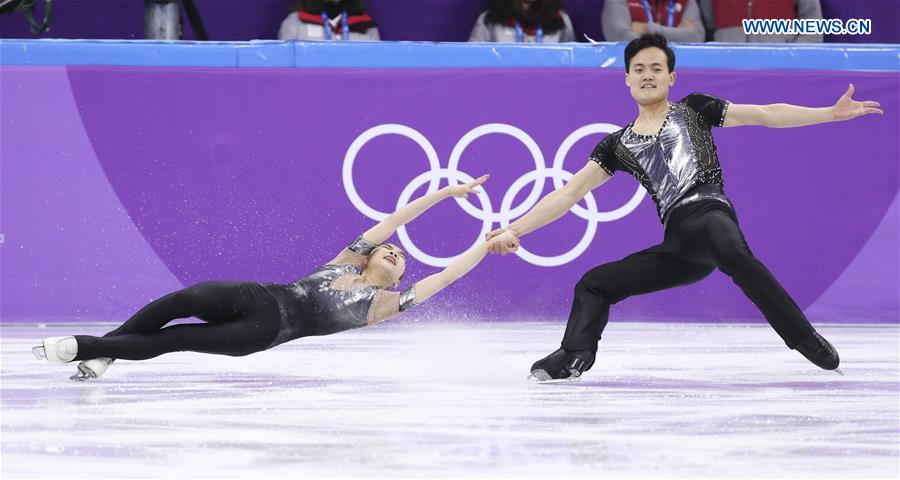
point(847, 108)
point(639, 27)
point(687, 23)
point(488, 236)
point(502, 241)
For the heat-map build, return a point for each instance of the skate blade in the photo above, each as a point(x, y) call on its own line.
point(39, 353)
point(84, 374)
point(839, 372)
point(541, 376)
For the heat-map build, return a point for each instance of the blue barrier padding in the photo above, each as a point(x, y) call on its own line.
point(116, 52)
point(265, 53)
point(428, 55)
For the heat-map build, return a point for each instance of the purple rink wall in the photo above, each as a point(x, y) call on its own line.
point(121, 183)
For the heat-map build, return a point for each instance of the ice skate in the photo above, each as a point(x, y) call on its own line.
point(57, 349)
point(92, 368)
point(818, 351)
point(541, 376)
point(561, 366)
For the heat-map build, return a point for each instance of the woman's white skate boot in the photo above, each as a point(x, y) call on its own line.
point(92, 368)
point(57, 349)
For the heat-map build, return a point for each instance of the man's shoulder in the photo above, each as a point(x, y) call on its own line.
point(607, 148)
point(699, 98)
point(613, 137)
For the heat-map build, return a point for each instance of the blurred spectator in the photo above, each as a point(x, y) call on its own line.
point(724, 17)
point(330, 20)
point(677, 20)
point(531, 21)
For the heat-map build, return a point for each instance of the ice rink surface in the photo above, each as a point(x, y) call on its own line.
point(452, 400)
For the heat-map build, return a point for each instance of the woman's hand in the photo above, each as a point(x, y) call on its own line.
point(463, 191)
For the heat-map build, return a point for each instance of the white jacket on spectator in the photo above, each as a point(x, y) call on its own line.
point(293, 28)
point(484, 32)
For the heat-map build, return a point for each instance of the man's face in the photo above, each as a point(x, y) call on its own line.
point(649, 78)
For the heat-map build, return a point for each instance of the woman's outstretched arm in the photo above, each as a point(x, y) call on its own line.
point(405, 214)
point(391, 304)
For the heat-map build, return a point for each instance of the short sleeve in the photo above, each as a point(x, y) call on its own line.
point(711, 109)
point(605, 153)
point(361, 246)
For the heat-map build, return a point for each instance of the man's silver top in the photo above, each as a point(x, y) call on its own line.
point(669, 159)
point(678, 159)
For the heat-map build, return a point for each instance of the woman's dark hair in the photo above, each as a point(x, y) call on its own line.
point(543, 13)
point(649, 40)
point(352, 7)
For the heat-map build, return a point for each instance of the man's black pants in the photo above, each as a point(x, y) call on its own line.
point(699, 238)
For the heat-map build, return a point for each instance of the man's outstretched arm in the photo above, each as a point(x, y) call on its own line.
point(783, 115)
point(552, 206)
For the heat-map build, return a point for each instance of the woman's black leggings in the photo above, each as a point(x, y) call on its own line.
point(699, 238)
point(241, 318)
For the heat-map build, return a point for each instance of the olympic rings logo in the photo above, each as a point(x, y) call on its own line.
point(486, 213)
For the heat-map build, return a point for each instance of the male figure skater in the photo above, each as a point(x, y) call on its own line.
point(669, 148)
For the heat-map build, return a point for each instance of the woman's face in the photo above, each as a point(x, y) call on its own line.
point(389, 258)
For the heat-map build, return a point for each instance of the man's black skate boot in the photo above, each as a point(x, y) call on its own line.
point(562, 365)
point(551, 367)
point(818, 351)
point(579, 362)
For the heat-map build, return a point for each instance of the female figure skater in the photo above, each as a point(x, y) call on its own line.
point(350, 291)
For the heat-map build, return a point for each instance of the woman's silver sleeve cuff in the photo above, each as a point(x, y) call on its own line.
point(408, 298)
point(361, 246)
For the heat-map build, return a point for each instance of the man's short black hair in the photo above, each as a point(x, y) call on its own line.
point(649, 40)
